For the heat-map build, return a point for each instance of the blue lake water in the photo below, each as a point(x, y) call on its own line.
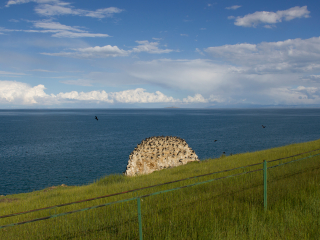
point(42, 148)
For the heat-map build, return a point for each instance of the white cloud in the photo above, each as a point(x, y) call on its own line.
point(103, 12)
point(314, 78)
point(252, 20)
point(292, 55)
point(93, 52)
point(13, 20)
point(199, 51)
point(139, 95)
point(63, 9)
point(62, 31)
point(57, 29)
point(199, 75)
point(23, 94)
point(112, 51)
point(226, 51)
point(269, 26)
point(216, 99)
point(255, 72)
point(10, 73)
point(20, 93)
point(57, 7)
point(184, 35)
point(198, 98)
point(299, 95)
point(13, 2)
point(89, 96)
point(55, 26)
point(150, 47)
point(68, 34)
point(98, 52)
point(234, 7)
point(41, 70)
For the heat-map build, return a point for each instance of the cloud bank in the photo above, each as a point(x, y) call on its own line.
point(19, 93)
point(283, 72)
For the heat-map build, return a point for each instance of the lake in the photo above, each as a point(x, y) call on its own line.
point(42, 148)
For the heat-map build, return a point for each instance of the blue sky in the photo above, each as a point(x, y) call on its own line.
point(110, 54)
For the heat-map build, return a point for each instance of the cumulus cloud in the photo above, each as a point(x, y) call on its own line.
point(56, 7)
point(20, 93)
point(89, 96)
point(253, 19)
point(234, 7)
point(112, 51)
point(139, 95)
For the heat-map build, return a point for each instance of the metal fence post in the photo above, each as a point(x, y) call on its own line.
point(139, 218)
point(265, 184)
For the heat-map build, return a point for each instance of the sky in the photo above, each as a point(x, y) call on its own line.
point(155, 54)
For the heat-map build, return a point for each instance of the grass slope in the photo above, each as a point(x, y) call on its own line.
point(230, 208)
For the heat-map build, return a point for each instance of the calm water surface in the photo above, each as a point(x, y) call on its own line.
point(41, 148)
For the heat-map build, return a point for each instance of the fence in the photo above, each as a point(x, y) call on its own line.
point(264, 169)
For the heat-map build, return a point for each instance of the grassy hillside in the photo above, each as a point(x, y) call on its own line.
point(230, 208)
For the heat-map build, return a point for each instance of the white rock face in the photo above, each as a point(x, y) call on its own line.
point(156, 153)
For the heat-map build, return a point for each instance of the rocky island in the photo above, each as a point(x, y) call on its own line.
point(156, 153)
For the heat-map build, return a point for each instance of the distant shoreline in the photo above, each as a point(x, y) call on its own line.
point(172, 107)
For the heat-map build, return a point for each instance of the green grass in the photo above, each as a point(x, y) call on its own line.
point(230, 208)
